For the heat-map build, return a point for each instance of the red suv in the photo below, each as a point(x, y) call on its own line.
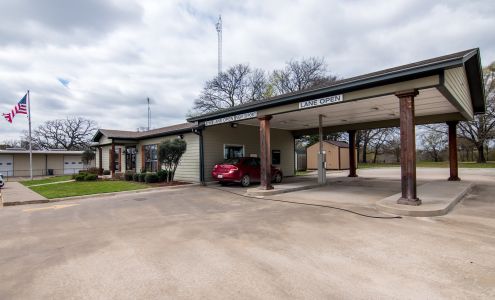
point(243, 170)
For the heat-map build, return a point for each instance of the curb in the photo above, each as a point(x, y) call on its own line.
point(407, 211)
point(165, 188)
point(258, 192)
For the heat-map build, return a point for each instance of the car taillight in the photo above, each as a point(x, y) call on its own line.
point(215, 167)
point(234, 169)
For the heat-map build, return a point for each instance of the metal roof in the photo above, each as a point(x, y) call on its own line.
point(63, 152)
point(137, 135)
point(470, 59)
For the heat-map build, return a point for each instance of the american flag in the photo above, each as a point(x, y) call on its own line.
point(19, 109)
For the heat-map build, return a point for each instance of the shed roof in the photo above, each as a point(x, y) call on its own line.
point(60, 152)
point(137, 135)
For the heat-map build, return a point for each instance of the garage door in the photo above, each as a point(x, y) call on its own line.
point(72, 164)
point(7, 165)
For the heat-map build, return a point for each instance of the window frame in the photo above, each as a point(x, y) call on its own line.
point(234, 145)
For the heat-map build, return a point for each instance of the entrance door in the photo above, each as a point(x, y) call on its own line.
point(130, 158)
point(7, 165)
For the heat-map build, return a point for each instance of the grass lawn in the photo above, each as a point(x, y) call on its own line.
point(70, 189)
point(47, 180)
point(301, 173)
point(429, 164)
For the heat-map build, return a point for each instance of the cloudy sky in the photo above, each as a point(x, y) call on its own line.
point(101, 58)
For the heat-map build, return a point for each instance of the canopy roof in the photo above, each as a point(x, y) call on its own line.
point(450, 88)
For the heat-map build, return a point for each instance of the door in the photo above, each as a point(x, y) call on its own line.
point(7, 165)
point(130, 158)
point(72, 164)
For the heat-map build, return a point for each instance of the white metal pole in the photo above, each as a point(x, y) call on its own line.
point(30, 138)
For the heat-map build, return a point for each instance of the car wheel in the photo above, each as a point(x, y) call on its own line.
point(245, 181)
point(278, 178)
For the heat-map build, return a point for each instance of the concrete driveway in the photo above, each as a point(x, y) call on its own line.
point(198, 242)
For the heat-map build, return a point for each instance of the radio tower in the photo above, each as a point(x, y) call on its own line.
point(219, 30)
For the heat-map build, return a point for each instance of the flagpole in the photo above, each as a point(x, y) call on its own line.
point(30, 139)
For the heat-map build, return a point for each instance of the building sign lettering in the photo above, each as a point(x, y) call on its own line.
point(235, 118)
point(321, 101)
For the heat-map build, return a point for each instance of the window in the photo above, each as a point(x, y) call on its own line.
point(233, 151)
point(275, 157)
point(151, 158)
point(130, 158)
point(116, 160)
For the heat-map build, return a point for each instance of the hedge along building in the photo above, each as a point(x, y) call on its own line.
point(443, 89)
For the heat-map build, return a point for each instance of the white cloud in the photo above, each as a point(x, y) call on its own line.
point(115, 54)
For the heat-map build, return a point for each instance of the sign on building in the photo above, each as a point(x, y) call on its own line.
point(321, 101)
point(235, 118)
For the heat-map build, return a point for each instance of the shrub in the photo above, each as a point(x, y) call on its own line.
point(106, 172)
point(142, 177)
point(162, 175)
point(119, 175)
point(135, 177)
point(94, 171)
point(151, 178)
point(129, 175)
point(80, 177)
point(91, 177)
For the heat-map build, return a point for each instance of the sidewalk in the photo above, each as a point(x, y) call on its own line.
point(15, 192)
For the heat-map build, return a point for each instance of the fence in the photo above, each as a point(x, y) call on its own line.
point(301, 162)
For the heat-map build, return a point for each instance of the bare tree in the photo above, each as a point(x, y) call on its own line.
point(393, 143)
point(10, 143)
point(237, 85)
point(300, 75)
point(364, 139)
point(380, 140)
point(72, 133)
point(482, 128)
point(434, 141)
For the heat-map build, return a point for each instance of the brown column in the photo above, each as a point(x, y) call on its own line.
point(352, 153)
point(100, 157)
point(408, 148)
point(143, 167)
point(120, 159)
point(454, 171)
point(265, 154)
point(112, 159)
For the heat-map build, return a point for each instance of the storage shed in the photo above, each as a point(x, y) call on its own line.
point(337, 155)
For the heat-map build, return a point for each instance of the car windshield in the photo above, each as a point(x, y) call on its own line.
point(231, 161)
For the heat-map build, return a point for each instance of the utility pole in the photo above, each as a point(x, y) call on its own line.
point(219, 31)
point(149, 114)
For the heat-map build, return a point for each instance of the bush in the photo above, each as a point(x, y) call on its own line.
point(119, 175)
point(135, 177)
point(142, 177)
point(91, 177)
point(151, 178)
point(129, 175)
point(106, 172)
point(94, 171)
point(162, 175)
point(80, 177)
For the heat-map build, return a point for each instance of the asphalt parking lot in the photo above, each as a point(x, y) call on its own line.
point(198, 242)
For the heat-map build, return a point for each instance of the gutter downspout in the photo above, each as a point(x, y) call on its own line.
point(199, 131)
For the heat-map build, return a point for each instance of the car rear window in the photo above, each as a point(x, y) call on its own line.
point(231, 161)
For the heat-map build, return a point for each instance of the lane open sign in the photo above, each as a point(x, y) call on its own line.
point(321, 101)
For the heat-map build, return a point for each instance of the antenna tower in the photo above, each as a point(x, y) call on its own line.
point(149, 114)
point(219, 31)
